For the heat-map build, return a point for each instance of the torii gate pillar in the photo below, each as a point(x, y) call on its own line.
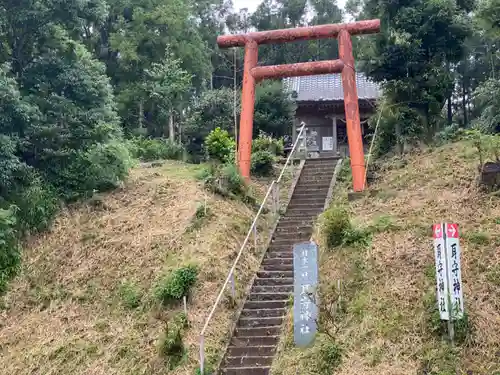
point(252, 74)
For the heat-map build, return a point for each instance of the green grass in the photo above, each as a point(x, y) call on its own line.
point(130, 295)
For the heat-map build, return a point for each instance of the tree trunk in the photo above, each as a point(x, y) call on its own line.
point(399, 140)
point(450, 111)
point(140, 115)
point(464, 103)
point(171, 130)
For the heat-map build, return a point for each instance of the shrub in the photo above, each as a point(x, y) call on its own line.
point(171, 343)
point(109, 164)
point(233, 180)
point(262, 163)
point(329, 357)
point(9, 247)
point(219, 145)
point(149, 149)
point(335, 225)
point(100, 168)
point(450, 133)
point(345, 173)
point(37, 206)
point(130, 295)
point(176, 285)
point(223, 179)
point(265, 142)
point(359, 237)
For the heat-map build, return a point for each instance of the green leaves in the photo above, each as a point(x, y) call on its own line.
point(9, 247)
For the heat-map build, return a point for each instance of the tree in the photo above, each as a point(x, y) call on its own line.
point(274, 110)
point(412, 55)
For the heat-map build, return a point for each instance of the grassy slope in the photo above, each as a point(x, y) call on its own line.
point(388, 324)
point(65, 312)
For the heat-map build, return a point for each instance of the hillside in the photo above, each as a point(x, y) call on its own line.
point(84, 302)
point(386, 320)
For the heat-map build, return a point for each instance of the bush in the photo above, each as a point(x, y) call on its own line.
point(265, 142)
point(335, 225)
point(360, 237)
point(130, 295)
point(100, 168)
point(9, 247)
point(223, 179)
point(329, 357)
point(37, 206)
point(171, 343)
point(176, 285)
point(219, 145)
point(450, 133)
point(233, 180)
point(262, 163)
point(149, 149)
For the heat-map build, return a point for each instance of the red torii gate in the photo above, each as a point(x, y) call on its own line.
point(253, 74)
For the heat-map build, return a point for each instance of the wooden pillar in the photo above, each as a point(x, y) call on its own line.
point(351, 105)
point(335, 139)
point(247, 108)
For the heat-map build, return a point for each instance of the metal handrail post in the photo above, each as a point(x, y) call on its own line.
point(202, 354)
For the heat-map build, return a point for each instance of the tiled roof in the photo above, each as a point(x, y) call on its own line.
point(329, 87)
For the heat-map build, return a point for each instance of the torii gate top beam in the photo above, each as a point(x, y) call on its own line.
point(299, 33)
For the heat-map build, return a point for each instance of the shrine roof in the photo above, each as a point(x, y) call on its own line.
point(328, 87)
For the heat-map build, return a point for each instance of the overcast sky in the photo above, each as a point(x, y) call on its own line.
point(252, 4)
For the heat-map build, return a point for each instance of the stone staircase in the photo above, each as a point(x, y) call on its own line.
point(257, 333)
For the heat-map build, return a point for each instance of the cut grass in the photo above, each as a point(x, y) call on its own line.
point(389, 325)
point(84, 302)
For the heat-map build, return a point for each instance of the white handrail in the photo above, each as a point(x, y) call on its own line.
point(302, 128)
point(231, 275)
point(252, 230)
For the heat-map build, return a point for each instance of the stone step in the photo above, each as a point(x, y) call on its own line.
point(264, 304)
point(248, 361)
point(314, 188)
point(254, 341)
point(277, 267)
point(268, 297)
point(309, 200)
point(279, 253)
point(277, 261)
point(249, 370)
point(290, 239)
point(319, 177)
point(317, 173)
point(285, 240)
point(309, 193)
point(293, 231)
point(260, 322)
point(288, 247)
point(298, 205)
point(263, 313)
point(273, 281)
point(323, 160)
point(257, 332)
point(234, 351)
point(290, 220)
point(274, 274)
point(304, 211)
point(272, 289)
point(283, 225)
point(308, 185)
point(318, 170)
point(275, 251)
